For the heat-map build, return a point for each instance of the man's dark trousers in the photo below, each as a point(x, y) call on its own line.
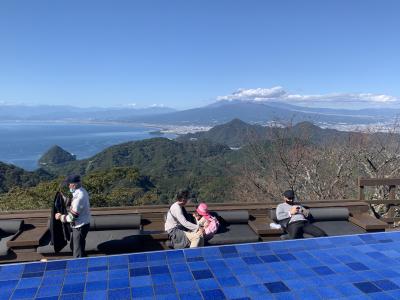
point(296, 230)
point(78, 241)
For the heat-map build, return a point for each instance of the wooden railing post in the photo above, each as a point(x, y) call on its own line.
point(361, 196)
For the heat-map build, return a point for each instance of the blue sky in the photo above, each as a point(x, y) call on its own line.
point(190, 53)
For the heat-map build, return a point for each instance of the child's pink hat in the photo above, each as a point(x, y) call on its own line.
point(202, 209)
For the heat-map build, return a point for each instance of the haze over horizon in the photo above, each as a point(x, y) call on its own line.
point(179, 54)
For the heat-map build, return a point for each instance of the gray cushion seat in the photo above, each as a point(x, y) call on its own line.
point(333, 220)
point(8, 230)
point(108, 234)
point(237, 229)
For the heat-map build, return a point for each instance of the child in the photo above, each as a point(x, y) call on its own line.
point(206, 220)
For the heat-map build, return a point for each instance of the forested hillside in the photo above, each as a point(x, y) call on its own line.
point(317, 163)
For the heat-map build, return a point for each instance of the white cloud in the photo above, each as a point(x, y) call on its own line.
point(258, 94)
point(278, 94)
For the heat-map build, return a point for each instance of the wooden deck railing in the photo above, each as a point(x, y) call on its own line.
point(392, 203)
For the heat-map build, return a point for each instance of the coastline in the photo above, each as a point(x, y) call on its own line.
point(162, 128)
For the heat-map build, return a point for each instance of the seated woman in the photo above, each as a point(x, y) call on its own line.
point(206, 220)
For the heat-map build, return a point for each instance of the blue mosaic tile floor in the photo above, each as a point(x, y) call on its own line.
point(348, 267)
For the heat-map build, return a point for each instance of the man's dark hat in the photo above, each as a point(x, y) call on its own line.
point(289, 194)
point(72, 179)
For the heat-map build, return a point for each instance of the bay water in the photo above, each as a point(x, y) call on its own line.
point(23, 143)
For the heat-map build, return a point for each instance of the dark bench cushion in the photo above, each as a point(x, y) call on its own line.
point(234, 233)
point(8, 229)
point(234, 217)
point(339, 227)
point(106, 241)
point(3, 245)
point(115, 222)
point(329, 213)
point(108, 234)
point(236, 229)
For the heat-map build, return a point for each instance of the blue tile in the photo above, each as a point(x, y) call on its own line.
point(34, 267)
point(5, 293)
point(158, 270)
point(367, 287)
point(228, 281)
point(256, 289)
point(24, 293)
point(35, 274)
point(386, 285)
point(357, 266)
point(97, 276)
point(8, 284)
point(56, 265)
point(252, 260)
point(188, 286)
point(140, 281)
point(323, 270)
point(144, 291)
point(29, 282)
point(73, 288)
point(182, 276)
point(202, 274)
point(96, 286)
point(236, 292)
point(286, 256)
point(97, 268)
point(191, 296)
point(72, 297)
point(118, 283)
point(49, 291)
point(119, 273)
point(96, 295)
point(75, 278)
point(381, 296)
point(213, 294)
point(228, 250)
point(269, 258)
point(276, 287)
point(164, 289)
point(139, 271)
point(192, 259)
point(207, 284)
point(328, 292)
point(161, 279)
point(121, 294)
point(180, 267)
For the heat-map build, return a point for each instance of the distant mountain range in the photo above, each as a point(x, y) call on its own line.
point(217, 113)
point(262, 113)
point(58, 112)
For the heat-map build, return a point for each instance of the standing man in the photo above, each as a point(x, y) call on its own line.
point(293, 218)
point(182, 232)
point(78, 215)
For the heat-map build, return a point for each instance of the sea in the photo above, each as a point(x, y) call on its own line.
point(23, 143)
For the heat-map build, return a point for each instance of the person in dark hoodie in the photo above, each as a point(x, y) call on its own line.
point(78, 215)
point(293, 218)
